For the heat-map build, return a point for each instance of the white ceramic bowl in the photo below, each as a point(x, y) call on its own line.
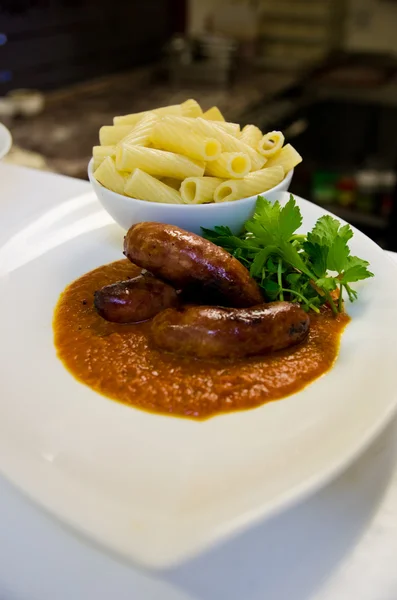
point(128, 211)
point(5, 140)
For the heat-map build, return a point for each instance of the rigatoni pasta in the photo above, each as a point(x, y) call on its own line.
point(199, 190)
point(140, 134)
point(252, 184)
point(251, 135)
point(99, 153)
point(109, 135)
point(143, 186)
point(134, 118)
point(287, 158)
point(213, 114)
point(109, 176)
point(157, 162)
point(191, 108)
point(231, 128)
point(229, 165)
point(229, 142)
point(182, 154)
point(271, 143)
point(169, 134)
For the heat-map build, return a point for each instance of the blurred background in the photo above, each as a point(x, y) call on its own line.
point(322, 71)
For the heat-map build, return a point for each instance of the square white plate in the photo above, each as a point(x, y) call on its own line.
point(158, 489)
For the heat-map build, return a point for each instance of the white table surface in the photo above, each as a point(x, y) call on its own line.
point(341, 544)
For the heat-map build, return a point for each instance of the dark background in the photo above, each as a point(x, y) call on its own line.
point(54, 42)
point(326, 79)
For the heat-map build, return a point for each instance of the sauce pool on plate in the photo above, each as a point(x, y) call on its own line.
point(118, 361)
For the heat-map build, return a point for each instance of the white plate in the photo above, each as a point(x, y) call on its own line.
point(157, 489)
point(5, 140)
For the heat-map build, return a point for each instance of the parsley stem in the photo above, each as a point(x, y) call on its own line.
point(298, 236)
point(331, 302)
point(305, 300)
point(351, 293)
point(340, 301)
point(280, 280)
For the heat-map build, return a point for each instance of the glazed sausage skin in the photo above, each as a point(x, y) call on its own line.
point(217, 332)
point(191, 263)
point(133, 300)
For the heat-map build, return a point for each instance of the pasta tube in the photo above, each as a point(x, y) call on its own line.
point(271, 143)
point(198, 190)
point(233, 165)
point(134, 118)
point(191, 108)
point(141, 133)
point(109, 176)
point(109, 135)
point(176, 137)
point(287, 158)
point(213, 114)
point(228, 142)
point(253, 184)
point(99, 153)
point(231, 128)
point(251, 135)
point(157, 162)
point(145, 187)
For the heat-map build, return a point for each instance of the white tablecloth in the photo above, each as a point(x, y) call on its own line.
point(341, 544)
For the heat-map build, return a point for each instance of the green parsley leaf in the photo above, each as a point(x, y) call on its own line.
point(294, 266)
point(345, 232)
point(293, 279)
point(353, 261)
point(271, 266)
point(271, 288)
point(272, 223)
point(337, 255)
point(294, 258)
point(267, 215)
point(259, 262)
point(223, 230)
point(355, 273)
point(290, 219)
point(328, 284)
point(318, 256)
point(324, 231)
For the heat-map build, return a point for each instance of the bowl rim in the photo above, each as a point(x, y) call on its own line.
point(209, 206)
point(7, 139)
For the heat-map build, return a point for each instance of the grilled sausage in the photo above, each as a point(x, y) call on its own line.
point(134, 300)
point(192, 263)
point(217, 332)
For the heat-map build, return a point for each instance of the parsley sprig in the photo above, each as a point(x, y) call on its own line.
point(311, 269)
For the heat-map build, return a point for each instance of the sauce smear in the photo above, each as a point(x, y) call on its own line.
point(118, 361)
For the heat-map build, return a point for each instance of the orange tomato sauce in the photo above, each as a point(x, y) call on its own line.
point(118, 361)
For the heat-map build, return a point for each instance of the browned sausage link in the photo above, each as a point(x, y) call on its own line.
point(213, 331)
point(189, 261)
point(134, 300)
